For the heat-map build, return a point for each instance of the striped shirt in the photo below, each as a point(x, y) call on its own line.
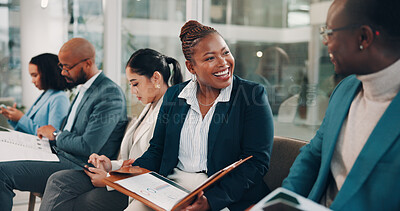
point(194, 134)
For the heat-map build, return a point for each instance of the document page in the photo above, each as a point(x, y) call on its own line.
point(15, 146)
point(155, 188)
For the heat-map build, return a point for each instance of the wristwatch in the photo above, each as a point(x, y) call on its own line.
point(56, 133)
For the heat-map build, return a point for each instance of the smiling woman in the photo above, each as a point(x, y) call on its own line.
point(209, 59)
point(209, 122)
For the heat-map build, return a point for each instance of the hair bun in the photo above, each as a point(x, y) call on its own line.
point(189, 26)
point(191, 32)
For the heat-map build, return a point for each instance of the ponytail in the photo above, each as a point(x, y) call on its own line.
point(146, 61)
point(176, 73)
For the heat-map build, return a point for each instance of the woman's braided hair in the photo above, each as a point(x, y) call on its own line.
point(191, 33)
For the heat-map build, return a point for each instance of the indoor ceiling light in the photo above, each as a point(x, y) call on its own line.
point(44, 3)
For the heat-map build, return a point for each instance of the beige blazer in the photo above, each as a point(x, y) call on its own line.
point(132, 148)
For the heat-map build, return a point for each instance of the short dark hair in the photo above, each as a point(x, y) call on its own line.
point(381, 15)
point(50, 74)
point(146, 61)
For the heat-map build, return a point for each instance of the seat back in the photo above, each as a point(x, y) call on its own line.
point(284, 152)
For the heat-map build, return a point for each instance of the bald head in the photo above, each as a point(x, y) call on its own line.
point(77, 56)
point(79, 48)
point(381, 15)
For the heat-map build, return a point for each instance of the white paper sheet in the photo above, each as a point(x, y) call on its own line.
point(148, 186)
point(21, 146)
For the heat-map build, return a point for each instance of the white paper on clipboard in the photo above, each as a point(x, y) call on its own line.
point(16, 146)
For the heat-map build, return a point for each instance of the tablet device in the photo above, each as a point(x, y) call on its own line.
point(74, 160)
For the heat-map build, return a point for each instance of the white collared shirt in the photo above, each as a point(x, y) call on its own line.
point(81, 93)
point(194, 134)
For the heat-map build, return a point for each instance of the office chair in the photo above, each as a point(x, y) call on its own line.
point(284, 152)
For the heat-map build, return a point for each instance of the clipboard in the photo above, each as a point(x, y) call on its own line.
point(131, 171)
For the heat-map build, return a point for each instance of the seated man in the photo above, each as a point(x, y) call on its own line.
point(353, 162)
point(95, 124)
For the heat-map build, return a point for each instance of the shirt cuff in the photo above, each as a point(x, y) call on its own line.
point(108, 187)
point(116, 164)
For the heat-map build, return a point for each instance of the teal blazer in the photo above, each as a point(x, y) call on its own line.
point(50, 108)
point(239, 128)
point(99, 122)
point(373, 182)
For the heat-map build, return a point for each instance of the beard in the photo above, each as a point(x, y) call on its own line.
point(80, 80)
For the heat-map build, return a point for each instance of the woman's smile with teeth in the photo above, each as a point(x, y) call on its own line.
point(222, 72)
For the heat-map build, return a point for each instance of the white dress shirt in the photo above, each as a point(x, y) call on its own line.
point(194, 134)
point(81, 93)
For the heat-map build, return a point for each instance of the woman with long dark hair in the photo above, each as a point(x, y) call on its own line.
point(52, 105)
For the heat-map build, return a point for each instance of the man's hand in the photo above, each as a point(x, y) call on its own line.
point(12, 113)
point(46, 131)
point(201, 203)
point(97, 176)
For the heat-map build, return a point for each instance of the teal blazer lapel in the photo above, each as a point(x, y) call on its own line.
point(338, 113)
point(381, 139)
point(336, 119)
point(88, 94)
point(82, 103)
point(39, 102)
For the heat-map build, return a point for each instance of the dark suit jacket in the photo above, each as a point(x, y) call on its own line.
point(373, 182)
point(99, 123)
point(239, 128)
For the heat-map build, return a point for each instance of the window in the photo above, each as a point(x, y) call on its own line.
point(272, 42)
point(10, 55)
point(150, 24)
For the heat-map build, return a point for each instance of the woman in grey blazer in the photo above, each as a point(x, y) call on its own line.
point(148, 73)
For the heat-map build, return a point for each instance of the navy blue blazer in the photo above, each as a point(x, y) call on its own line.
point(239, 128)
point(373, 181)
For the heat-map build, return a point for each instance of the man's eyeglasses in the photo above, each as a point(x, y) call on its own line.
point(325, 32)
point(67, 67)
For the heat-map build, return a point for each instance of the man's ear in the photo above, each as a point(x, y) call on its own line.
point(366, 36)
point(88, 63)
point(189, 66)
